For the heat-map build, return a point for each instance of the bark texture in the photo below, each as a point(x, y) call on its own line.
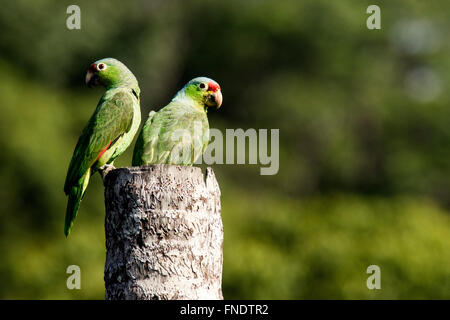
point(164, 233)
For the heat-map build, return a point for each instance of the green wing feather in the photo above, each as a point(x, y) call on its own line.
point(140, 141)
point(161, 138)
point(111, 119)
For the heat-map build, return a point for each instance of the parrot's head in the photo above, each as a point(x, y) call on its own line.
point(110, 72)
point(205, 91)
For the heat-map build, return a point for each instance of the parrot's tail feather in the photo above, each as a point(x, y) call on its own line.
point(75, 196)
point(72, 208)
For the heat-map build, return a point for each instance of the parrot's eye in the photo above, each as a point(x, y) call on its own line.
point(101, 66)
point(202, 86)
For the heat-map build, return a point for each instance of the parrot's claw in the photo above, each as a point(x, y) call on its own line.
point(104, 170)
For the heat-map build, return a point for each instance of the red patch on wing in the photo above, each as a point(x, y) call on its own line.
point(213, 86)
point(103, 150)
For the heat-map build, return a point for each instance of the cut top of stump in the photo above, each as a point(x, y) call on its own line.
point(180, 174)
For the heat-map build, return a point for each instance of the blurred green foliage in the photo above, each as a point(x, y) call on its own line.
point(364, 139)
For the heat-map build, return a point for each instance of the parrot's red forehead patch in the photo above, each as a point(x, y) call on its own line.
point(93, 67)
point(213, 86)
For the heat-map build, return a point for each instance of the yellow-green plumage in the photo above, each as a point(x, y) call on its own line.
point(179, 132)
point(108, 133)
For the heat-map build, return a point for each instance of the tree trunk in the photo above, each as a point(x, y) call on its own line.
point(164, 233)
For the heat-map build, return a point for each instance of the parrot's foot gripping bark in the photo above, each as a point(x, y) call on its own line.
point(104, 170)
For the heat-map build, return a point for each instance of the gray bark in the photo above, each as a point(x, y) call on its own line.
point(164, 233)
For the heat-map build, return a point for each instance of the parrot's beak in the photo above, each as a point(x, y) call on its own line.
point(91, 79)
point(215, 99)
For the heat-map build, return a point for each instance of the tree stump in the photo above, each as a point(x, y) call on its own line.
point(164, 233)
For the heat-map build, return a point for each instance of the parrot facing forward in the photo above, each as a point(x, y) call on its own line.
point(108, 133)
point(179, 132)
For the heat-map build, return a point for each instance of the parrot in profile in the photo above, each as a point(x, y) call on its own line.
point(179, 132)
point(108, 133)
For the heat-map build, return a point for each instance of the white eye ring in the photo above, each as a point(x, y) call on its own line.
point(101, 67)
point(203, 86)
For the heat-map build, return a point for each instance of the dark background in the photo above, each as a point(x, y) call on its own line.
point(364, 139)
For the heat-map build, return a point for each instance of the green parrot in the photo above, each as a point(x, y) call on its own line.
point(108, 133)
point(179, 132)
